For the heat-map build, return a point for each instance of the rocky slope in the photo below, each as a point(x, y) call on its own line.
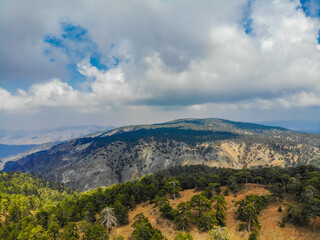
point(129, 152)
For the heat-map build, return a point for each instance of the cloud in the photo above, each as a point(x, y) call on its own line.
point(48, 94)
point(236, 54)
point(107, 88)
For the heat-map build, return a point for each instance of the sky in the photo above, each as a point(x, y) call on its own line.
point(129, 62)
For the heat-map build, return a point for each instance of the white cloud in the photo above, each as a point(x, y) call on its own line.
point(8, 102)
point(107, 86)
point(198, 58)
point(54, 93)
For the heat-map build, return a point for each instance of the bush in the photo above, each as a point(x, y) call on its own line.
point(118, 238)
point(282, 224)
point(253, 236)
point(242, 227)
point(167, 211)
point(226, 192)
point(183, 236)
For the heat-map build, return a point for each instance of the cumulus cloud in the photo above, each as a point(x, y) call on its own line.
point(192, 57)
point(48, 94)
point(107, 88)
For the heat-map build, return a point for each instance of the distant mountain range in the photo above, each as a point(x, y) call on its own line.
point(125, 153)
point(298, 126)
point(10, 150)
point(23, 137)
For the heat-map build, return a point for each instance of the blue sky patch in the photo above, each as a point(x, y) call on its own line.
point(75, 77)
point(246, 21)
point(75, 33)
point(96, 62)
point(53, 41)
point(116, 61)
point(310, 7)
point(76, 43)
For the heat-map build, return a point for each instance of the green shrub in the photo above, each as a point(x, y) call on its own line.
point(183, 236)
point(226, 192)
point(242, 227)
point(253, 236)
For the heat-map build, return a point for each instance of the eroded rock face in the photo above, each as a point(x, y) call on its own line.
point(127, 153)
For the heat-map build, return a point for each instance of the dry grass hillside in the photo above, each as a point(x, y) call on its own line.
point(269, 219)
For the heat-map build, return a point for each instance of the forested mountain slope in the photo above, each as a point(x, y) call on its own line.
point(203, 202)
point(129, 152)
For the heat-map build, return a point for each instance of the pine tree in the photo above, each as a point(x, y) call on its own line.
point(96, 232)
point(201, 204)
point(207, 221)
point(70, 231)
point(251, 216)
point(220, 209)
point(183, 216)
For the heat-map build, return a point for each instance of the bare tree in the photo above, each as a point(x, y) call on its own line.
point(107, 218)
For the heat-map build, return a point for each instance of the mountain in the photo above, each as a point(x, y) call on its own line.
point(45, 139)
point(298, 126)
point(58, 134)
point(125, 153)
point(22, 154)
point(9, 150)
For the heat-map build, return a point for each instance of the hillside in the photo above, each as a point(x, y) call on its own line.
point(159, 206)
point(269, 219)
point(126, 153)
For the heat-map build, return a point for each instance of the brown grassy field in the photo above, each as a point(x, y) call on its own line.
point(268, 218)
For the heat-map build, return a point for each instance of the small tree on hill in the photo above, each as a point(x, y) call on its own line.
point(251, 216)
point(234, 183)
point(107, 218)
point(121, 213)
point(277, 192)
point(207, 221)
point(220, 209)
point(218, 233)
point(173, 188)
point(183, 216)
point(143, 229)
point(96, 232)
point(201, 204)
point(313, 208)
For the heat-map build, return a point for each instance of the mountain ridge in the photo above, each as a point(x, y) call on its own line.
point(128, 152)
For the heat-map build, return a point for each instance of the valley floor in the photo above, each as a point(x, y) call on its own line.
point(269, 218)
